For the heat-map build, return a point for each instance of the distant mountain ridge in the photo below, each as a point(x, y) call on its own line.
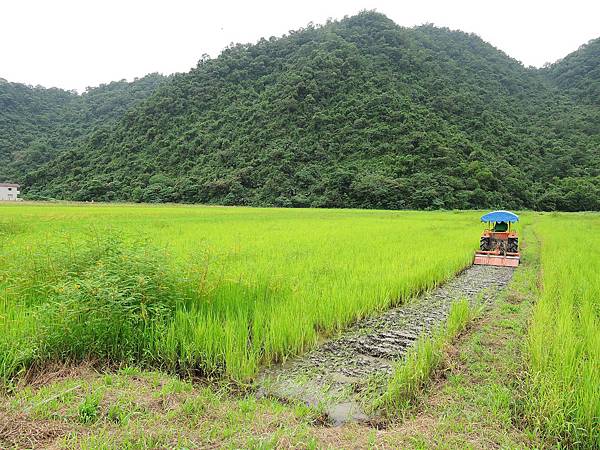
point(36, 123)
point(579, 73)
point(355, 113)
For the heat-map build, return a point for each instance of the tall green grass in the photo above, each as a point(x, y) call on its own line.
point(564, 336)
point(209, 290)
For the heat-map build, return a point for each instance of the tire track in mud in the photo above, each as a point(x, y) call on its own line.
point(332, 375)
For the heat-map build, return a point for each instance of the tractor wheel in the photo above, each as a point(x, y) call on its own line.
point(484, 244)
point(513, 245)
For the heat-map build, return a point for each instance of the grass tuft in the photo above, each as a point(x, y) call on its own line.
point(89, 409)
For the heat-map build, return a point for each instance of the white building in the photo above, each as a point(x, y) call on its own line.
point(9, 192)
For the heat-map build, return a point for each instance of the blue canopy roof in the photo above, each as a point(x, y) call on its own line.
point(500, 216)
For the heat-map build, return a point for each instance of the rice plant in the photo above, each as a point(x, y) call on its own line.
point(223, 291)
point(564, 336)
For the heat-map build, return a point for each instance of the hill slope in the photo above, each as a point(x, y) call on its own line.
point(357, 113)
point(36, 124)
point(579, 73)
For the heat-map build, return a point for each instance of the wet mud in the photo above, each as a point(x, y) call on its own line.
point(333, 375)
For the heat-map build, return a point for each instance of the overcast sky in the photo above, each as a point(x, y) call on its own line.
point(73, 44)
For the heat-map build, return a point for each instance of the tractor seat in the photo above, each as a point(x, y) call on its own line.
point(500, 227)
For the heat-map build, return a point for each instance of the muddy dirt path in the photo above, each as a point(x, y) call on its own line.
point(332, 375)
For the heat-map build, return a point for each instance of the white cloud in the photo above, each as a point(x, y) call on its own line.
point(74, 44)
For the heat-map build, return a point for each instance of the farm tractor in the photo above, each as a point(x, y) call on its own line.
point(499, 244)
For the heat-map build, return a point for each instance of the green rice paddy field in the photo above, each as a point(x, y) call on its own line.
point(219, 292)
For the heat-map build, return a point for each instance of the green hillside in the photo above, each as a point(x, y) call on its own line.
point(579, 73)
point(356, 113)
point(37, 124)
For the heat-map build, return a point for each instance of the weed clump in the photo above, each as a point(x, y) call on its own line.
point(111, 298)
point(89, 409)
point(108, 309)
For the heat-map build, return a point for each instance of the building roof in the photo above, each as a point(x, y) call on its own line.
point(9, 185)
point(500, 216)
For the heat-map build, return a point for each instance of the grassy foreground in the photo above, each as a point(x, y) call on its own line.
point(221, 291)
point(470, 403)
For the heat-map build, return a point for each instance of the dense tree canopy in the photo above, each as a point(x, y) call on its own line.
point(579, 73)
point(356, 113)
point(36, 124)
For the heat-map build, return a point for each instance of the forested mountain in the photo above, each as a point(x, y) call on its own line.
point(579, 73)
point(36, 124)
point(355, 113)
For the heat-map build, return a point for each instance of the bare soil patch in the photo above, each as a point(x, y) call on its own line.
point(21, 431)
